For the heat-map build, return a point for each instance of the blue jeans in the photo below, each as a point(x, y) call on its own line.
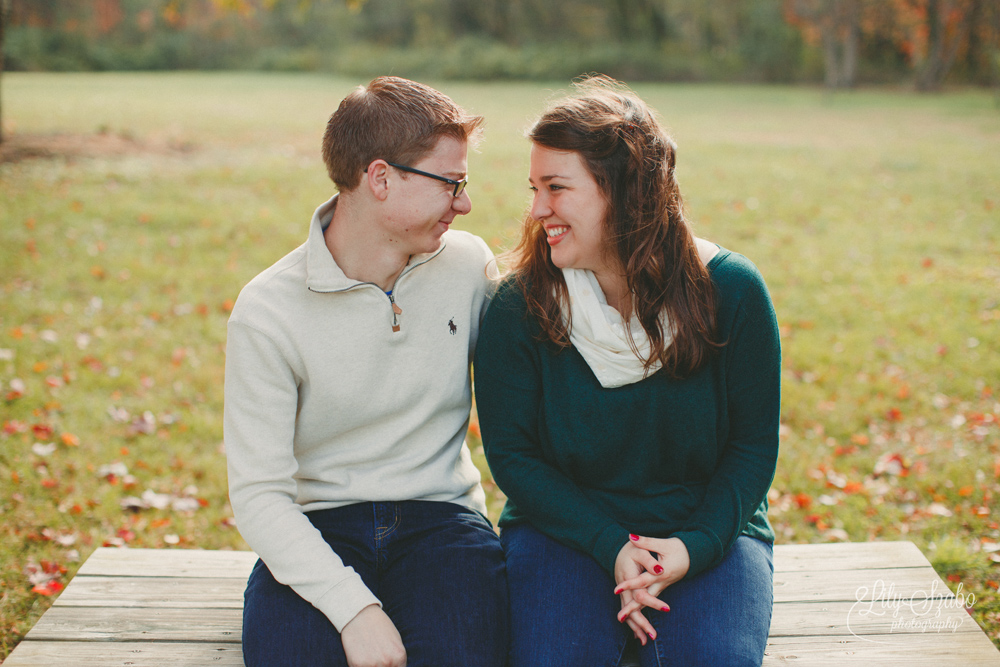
point(437, 568)
point(564, 610)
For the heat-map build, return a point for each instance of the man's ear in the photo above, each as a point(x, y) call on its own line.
point(376, 178)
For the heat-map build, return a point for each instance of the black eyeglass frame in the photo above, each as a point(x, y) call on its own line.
point(459, 185)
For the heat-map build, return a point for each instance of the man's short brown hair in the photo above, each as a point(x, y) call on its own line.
point(392, 119)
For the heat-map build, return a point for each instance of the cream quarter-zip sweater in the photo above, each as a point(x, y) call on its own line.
point(326, 405)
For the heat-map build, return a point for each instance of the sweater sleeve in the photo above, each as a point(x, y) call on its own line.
point(508, 395)
point(736, 491)
point(261, 398)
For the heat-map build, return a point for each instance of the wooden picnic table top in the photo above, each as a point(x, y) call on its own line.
point(835, 604)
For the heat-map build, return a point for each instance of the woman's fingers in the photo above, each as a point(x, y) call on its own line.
point(625, 616)
point(639, 599)
point(644, 598)
point(642, 556)
point(639, 634)
point(644, 626)
point(627, 609)
point(640, 625)
point(644, 580)
point(631, 613)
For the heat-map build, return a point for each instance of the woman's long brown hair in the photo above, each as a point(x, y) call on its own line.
point(632, 159)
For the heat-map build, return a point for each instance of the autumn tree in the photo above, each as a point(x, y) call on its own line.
point(836, 24)
point(936, 35)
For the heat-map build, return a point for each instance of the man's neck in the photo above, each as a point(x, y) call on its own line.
point(356, 244)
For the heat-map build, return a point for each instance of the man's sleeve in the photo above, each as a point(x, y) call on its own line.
point(261, 392)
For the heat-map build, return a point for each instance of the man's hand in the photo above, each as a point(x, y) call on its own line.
point(371, 640)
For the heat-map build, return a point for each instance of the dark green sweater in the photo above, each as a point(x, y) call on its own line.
point(690, 458)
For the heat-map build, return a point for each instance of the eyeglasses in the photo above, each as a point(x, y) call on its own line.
point(459, 185)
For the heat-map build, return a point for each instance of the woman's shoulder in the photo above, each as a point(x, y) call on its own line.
point(509, 293)
point(738, 281)
point(732, 271)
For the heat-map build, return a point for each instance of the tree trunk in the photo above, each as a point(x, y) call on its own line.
point(831, 64)
point(3, 25)
point(941, 51)
point(658, 20)
point(641, 20)
point(929, 77)
point(852, 38)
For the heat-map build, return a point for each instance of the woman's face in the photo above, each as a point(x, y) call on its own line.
point(570, 207)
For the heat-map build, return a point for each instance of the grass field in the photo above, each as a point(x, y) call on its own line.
point(874, 217)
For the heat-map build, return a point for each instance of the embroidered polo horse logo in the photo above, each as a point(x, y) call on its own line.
point(452, 329)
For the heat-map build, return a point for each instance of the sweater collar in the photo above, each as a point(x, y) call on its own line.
point(322, 272)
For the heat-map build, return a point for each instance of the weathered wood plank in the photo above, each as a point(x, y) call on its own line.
point(183, 607)
point(218, 564)
point(846, 556)
point(113, 562)
point(837, 586)
point(851, 585)
point(152, 592)
point(127, 654)
point(117, 624)
point(924, 650)
point(796, 619)
point(225, 625)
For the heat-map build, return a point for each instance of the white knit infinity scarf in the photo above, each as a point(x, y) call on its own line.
point(598, 332)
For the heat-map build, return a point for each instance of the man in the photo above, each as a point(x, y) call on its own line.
point(347, 403)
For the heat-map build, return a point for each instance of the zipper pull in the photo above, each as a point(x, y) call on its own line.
point(396, 311)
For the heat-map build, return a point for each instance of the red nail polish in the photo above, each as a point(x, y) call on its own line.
point(658, 569)
point(634, 538)
point(666, 608)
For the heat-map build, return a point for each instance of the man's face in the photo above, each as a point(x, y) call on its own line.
point(422, 208)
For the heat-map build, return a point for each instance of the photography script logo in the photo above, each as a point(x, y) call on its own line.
point(933, 610)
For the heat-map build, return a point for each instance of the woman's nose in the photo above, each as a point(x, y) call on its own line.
point(540, 207)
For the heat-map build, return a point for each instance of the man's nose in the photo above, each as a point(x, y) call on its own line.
point(462, 204)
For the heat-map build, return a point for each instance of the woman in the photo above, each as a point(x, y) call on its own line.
point(627, 383)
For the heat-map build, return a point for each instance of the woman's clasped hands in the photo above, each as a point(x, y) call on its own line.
point(644, 568)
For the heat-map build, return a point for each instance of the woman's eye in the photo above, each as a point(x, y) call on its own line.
point(533, 188)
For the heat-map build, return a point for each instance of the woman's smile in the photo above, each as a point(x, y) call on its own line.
point(570, 207)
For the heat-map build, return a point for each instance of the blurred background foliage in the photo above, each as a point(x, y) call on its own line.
point(841, 43)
